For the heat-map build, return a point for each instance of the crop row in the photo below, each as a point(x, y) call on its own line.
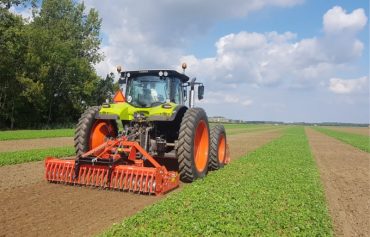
point(274, 191)
point(17, 157)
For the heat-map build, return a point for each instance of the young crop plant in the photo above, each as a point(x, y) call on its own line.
point(273, 191)
point(31, 134)
point(360, 141)
point(17, 157)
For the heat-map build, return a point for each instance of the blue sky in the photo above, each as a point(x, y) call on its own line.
point(282, 60)
point(285, 60)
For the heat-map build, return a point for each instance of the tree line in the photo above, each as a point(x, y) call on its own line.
point(47, 74)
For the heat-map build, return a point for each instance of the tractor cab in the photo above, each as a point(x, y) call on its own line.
point(150, 88)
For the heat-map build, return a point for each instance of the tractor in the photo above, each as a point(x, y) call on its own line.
point(146, 139)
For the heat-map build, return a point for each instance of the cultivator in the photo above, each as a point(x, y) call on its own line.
point(116, 164)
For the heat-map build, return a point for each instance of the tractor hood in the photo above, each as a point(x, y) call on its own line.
point(125, 111)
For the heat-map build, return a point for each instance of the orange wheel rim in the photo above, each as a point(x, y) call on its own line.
point(99, 133)
point(221, 149)
point(201, 143)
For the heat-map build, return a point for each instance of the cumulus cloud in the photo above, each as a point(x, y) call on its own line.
point(348, 86)
point(142, 34)
point(273, 59)
point(336, 20)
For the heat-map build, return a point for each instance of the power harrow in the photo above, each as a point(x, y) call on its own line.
point(116, 164)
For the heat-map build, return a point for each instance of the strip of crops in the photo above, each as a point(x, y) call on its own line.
point(17, 157)
point(251, 129)
point(360, 141)
point(274, 191)
point(31, 134)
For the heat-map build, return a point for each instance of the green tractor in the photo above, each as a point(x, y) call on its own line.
point(158, 130)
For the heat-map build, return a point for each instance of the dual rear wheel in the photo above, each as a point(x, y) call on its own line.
point(198, 148)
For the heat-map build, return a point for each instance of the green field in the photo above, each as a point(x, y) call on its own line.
point(17, 157)
point(274, 191)
point(360, 141)
point(30, 134)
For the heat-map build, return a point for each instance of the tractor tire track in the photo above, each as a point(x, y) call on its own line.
point(30, 206)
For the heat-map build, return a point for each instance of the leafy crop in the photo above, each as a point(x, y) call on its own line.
point(30, 134)
point(16, 157)
point(360, 141)
point(273, 191)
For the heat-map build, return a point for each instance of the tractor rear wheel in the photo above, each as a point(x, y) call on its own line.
point(218, 148)
point(193, 145)
point(91, 132)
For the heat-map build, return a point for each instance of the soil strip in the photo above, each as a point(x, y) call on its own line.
point(360, 131)
point(38, 143)
point(30, 206)
point(344, 171)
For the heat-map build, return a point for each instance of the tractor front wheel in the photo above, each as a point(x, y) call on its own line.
point(91, 132)
point(193, 145)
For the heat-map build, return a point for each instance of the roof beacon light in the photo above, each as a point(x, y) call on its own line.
point(119, 68)
point(184, 66)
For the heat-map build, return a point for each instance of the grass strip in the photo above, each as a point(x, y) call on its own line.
point(360, 141)
point(274, 191)
point(31, 134)
point(17, 157)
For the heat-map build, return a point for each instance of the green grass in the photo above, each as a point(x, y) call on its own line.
point(17, 157)
point(274, 191)
point(30, 134)
point(360, 141)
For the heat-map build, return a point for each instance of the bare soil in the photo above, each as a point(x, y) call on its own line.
point(30, 206)
point(360, 131)
point(345, 173)
point(39, 143)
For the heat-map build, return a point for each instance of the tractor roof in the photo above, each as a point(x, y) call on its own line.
point(156, 72)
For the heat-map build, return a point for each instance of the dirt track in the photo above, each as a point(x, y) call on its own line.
point(344, 171)
point(40, 143)
point(29, 206)
point(360, 131)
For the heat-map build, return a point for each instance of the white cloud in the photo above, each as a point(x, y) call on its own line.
point(247, 103)
point(336, 20)
point(144, 34)
point(24, 12)
point(270, 59)
point(347, 86)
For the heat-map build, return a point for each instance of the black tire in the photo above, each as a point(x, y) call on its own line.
point(84, 127)
point(216, 162)
point(185, 146)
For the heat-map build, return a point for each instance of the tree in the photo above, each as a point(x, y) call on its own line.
point(16, 90)
point(63, 47)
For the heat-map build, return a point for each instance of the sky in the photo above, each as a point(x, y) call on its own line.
point(274, 60)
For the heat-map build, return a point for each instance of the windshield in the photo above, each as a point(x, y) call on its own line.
point(148, 91)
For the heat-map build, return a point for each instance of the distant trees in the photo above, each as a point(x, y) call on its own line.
point(46, 66)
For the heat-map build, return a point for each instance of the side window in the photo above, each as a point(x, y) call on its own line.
point(176, 91)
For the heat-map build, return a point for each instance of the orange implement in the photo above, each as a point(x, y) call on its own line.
point(116, 164)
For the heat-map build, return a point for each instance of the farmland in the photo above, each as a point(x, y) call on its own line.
point(272, 191)
point(360, 141)
point(278, 183)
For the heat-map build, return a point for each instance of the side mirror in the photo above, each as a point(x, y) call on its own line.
point(185, 93)
point(200, 92)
